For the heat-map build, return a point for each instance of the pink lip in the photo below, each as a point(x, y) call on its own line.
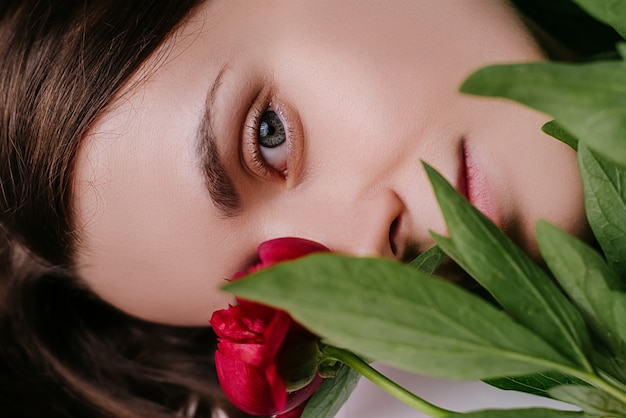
point(473, 184)
point(462, 176)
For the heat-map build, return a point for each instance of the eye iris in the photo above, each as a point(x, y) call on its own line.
point(271, 130)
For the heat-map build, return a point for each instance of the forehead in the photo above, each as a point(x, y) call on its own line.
point(131, 142)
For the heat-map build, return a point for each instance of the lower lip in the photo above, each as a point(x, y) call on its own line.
point(475, 186)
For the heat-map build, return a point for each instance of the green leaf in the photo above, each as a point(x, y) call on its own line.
point(392, 313)
point(554, 129)
point(536, 384)
point(611, 12)
point(429, 260)
point(331, 396)
point(611, 365)
point(588, 100)
point(588, 281)
point(589, 399)
point(522, 288)
point(621, 49)
point(520, 413)
point(605, 204)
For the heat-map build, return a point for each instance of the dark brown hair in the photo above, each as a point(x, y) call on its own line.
point(64, 352)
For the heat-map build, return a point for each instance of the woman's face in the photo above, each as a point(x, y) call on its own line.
point(189, 170)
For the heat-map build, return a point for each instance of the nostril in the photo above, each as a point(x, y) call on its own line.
point(393, 232)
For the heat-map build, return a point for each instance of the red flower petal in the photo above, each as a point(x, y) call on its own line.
point(255, 316)
point(245, 322)
point(276, 332)
point(294, 413)
point(255, 390)
point(252, 354)
point(289, 248)
point(260, 352)
point(297, 400)
point(230, 323)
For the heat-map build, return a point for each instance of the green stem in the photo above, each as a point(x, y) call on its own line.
point(384, 382)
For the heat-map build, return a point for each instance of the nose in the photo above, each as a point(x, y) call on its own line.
point(370, 227)
point(363, 224)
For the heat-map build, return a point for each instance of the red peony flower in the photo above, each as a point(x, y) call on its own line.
point(267, 363)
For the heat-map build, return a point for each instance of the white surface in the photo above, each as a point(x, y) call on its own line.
point(369, 401)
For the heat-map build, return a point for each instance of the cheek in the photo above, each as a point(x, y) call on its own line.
point(151, 243)
point(159, 261)
point(161, 265)
point(155, 278)
point(537, 173)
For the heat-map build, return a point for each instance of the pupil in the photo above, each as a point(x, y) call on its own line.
point(271, 130)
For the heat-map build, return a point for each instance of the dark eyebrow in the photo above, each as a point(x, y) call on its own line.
point(218, 182)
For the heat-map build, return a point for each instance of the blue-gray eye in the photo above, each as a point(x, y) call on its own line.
point(271, 130)
point(273, 140)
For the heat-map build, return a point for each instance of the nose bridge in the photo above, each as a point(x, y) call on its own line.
point(350, 221)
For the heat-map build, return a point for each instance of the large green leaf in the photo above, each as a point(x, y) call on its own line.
point(390, 312)
point(614, 366)
point(513, 279)
point(605, 203)
point(611, 12)
point(520, 413)
point(536, 384)
point(588, 281)
point(331, 396)
point(588, 100)
point(591, 400)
